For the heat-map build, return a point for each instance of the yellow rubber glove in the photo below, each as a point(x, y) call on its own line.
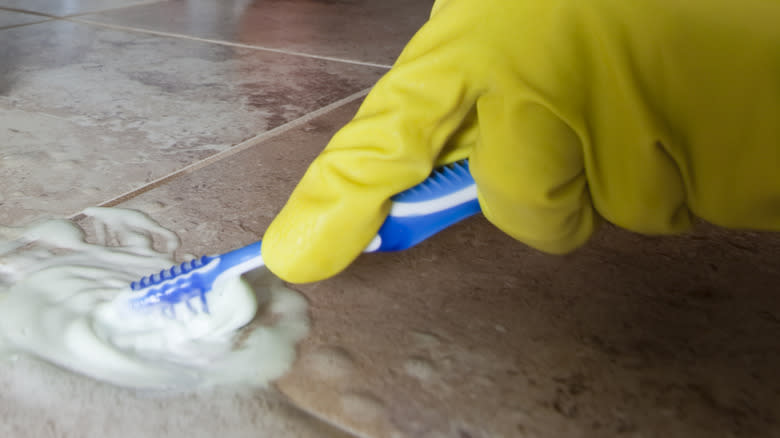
point(643, 112)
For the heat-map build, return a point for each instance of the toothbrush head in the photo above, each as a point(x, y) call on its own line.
point(191, 281)
point(184, 283)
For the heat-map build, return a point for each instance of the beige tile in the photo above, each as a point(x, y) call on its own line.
point(474, 335)
point(369, 31)
point(38, 400)
point(231, 202)
point(88, 113)
point(61, 8)
point(11, 18)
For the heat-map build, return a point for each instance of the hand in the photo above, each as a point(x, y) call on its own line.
point(641, 112)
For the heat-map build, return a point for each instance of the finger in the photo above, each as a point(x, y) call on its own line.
point(389, 146)
point(462, 141)
point(530, 176)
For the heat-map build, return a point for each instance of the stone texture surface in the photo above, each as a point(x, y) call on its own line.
point(88, 113)
point(468, 335)
point(368, 30)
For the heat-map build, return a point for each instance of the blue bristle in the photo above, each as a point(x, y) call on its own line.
point(169, 274)
point(186, 282)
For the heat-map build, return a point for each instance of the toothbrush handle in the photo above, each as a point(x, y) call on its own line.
point(249, 255)
point(409, 223)
point(446, 197)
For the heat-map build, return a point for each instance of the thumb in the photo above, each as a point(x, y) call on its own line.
point(389, 146)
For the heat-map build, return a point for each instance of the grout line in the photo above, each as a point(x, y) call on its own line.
point(231, 151)
point(341, 428)
point(24, 11)
point(14, 26)
point(317, 416)
point(226, 43)
point(75, 19)
point(78, 14)
point(118, 8)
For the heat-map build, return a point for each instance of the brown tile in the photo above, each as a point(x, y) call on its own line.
point(88, 113)
point(369, 31)
point(60, 8)
point(11, 18)
point(473, 335)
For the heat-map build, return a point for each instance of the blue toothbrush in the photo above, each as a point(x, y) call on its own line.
point(446, 197)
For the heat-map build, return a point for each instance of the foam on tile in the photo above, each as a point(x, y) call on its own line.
point(56, 291)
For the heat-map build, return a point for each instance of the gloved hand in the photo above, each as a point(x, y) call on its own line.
point(643, 112)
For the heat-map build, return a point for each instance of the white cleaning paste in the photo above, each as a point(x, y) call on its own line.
point(58, 301)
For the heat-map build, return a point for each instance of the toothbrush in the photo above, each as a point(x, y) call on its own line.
point(446, 197)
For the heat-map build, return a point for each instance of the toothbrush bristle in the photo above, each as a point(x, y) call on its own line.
point(172, 286)
point(171, 273)
point(185, 285)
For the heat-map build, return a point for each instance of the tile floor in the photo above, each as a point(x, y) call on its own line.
point(204, 113)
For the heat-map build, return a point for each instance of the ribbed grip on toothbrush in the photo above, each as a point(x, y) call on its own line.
point(446, 197)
